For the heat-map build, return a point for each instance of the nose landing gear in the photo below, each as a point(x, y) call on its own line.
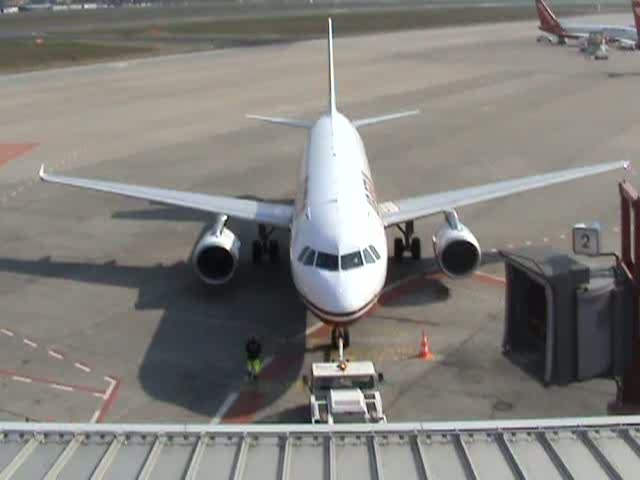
point(265, 246)
point(339, 334)
point(410, 242)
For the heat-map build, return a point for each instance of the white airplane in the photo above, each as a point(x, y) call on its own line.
point(338, 248)
point(625, 36)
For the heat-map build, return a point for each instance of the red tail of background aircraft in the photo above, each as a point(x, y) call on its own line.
point(635, 7)
point(549, 22)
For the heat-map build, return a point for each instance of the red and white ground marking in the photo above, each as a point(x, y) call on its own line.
point(241, 398)
point(108, 396)
point(67, 387)
point(224, 408)
point(11, 151)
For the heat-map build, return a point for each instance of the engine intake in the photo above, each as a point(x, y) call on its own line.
point(456, 248)
point(215, 256)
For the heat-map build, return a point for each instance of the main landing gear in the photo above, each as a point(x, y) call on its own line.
point(340, 335)
point(265, 246)
point(410, 243)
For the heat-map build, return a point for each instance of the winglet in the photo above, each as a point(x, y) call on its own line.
point(332, 85)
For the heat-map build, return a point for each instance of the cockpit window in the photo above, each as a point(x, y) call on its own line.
point(326, 261)
point(303, 253)
point(310, 258)
point(368, 258)
point(351, 260)
point(375, 252)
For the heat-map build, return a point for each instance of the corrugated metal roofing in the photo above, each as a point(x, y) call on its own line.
point(606, 447)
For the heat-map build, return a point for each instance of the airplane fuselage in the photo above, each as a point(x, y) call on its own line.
point(338, 246)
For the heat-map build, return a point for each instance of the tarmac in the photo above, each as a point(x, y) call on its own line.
point(104, 320)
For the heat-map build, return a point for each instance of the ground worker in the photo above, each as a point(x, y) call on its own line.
point(254, 363)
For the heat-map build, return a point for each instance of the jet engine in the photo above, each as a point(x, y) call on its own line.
point(216, 254)
point(456, 248)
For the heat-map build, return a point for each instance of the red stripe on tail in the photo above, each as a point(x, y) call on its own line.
point(548, 21)
point(635, 6)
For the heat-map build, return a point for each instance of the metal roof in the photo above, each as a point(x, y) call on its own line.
point(563, 448)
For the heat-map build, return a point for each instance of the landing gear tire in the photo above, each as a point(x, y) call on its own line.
point(334, 338)
point(274, 251)
point(416, 250)
point(398, 249)
point(346, 338)
point(256, 252)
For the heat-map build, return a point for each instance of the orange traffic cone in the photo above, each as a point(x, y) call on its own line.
point(425, 349)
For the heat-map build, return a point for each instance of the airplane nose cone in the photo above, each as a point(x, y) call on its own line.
point(344, 296)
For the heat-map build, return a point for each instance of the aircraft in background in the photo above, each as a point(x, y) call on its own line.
point(338, 248)
point(626, 37)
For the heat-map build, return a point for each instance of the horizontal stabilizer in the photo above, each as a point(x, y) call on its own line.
point(283, 121)
point(391, 116)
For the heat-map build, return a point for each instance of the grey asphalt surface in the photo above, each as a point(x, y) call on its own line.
point(103, 281)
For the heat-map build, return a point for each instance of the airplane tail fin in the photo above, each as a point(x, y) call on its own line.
point(635, 6)
point(548, 21)
point(332, 84)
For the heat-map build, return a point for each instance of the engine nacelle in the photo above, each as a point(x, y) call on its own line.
point(216, 254)
point(456, 248)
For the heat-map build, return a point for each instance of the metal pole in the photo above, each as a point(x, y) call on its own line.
point(625, 225)
point(631, 378)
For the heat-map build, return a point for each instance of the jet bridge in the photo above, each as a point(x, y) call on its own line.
point(564, 321)
point(606, 447)
point(567, 322)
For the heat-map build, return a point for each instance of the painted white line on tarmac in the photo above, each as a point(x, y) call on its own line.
point(99, 395)
point(81, 366)
point(22, 379)
point(224, 408)
point(31, 343)
point(9, 333)
point(95, 416)
point(313, 328)
point(267, 361)
point(55, 354)
point(112, 384)
point(62, 387)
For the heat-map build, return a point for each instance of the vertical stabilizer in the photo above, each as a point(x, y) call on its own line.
point(332, 85)
point(635, 6)
point(548, 21)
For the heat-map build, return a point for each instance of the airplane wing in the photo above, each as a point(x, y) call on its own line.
point(408, 209)
point(256, 211)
